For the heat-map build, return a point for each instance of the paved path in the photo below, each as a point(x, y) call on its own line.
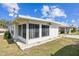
point(1, 33)
point(72, 36)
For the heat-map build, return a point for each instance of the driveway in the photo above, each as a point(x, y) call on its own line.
point(71, 36)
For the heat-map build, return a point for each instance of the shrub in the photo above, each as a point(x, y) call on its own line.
point(73, 30)
point(61, 31)
point(7, 35)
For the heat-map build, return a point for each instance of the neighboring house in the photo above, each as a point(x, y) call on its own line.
point(64, 30)
point(29, 31)
point(73, 29)
point(2, 31)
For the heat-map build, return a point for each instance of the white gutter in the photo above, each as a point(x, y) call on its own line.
point(46, 20)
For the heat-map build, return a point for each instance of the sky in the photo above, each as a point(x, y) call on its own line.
point(61, 12)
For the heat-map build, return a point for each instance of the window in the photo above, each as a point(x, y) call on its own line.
point(12, 32)
point(19, 30)
point(24, 30)
point(45, 30)
point(33, 31)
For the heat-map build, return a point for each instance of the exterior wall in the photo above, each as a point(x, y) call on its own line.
point(21, 39)
point(16, 36)
point(54, 31)
point(15, 31)
point(35, 40)
point(11, 28)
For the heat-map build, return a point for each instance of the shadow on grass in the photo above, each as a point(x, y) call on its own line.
point(10, 41)
point(71, 50)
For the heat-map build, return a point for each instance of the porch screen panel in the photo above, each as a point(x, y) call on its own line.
point(45, 30)
point(33, 31)
point(24, 30)
point(19, 30)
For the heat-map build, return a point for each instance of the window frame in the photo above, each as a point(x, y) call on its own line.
point(24, 31)
point(33, 29)
point(45, 30)
point(21, 29)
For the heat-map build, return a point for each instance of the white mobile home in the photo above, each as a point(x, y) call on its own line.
point(29, 31)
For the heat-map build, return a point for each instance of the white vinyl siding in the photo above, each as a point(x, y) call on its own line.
point(12, 30)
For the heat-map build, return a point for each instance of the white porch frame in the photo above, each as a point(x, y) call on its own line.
point(27, 34)
point(40, 29)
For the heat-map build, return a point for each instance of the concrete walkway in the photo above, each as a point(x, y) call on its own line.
point(1, 33)
point(71, 36)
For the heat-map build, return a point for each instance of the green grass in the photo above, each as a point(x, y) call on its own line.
point(71, 50)
point(75, 33)
point(42, 50)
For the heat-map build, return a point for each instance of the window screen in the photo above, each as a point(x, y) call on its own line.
point(45, 30)
point(33, 31)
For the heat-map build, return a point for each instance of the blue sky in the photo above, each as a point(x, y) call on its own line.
point(61, 12)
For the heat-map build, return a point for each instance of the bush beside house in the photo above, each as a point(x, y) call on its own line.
point(8, 37)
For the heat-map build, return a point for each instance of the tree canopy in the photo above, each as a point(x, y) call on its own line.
point(3, 23)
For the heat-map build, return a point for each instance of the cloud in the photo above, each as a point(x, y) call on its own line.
point(73, 21)
point(12, 8)
point(11, 14)
point(35, 10)
point(45, 10)
point(57, 12)
point(52, 12)
point(53, 7)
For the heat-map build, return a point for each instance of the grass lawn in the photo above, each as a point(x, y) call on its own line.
point(44, 50)
point(75, 33)
point(71, 50)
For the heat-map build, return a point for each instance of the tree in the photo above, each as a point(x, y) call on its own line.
point(3, 23)
point(73, 29)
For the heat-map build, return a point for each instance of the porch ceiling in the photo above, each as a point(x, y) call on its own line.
point(20, 21)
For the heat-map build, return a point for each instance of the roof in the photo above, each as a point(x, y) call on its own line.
point(45, 20)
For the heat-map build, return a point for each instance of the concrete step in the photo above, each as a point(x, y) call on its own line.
point(21, 45)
